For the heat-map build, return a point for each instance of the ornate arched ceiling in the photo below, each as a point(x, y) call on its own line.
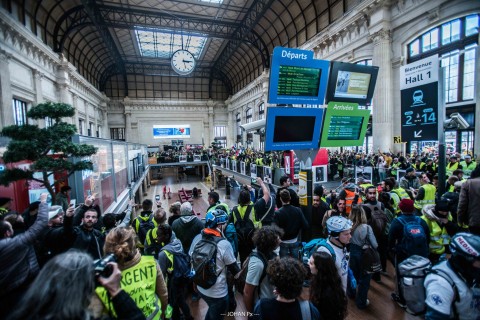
point(100, 39)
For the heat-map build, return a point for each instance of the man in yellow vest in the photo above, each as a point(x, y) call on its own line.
point(441, 226)
point(425, 194)
point(468, 166)
point(452, 166)
point(394, 167)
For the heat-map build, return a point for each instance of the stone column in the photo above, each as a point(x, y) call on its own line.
point(128, 126)
point(37, 78)
point(6, 113)
point(211, 126)
point(230, 126)
point(75, 105)
point(382, 116)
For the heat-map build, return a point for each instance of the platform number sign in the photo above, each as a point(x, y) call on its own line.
point(419, 100)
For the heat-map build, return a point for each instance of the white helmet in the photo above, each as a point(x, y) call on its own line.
point(337, 224)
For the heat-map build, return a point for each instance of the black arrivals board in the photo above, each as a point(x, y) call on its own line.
point(420, 113)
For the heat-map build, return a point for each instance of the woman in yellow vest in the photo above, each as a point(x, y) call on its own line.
point(441, 226)
point(142, 278)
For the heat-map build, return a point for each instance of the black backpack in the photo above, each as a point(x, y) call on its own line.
point(142, 226)
point(204, 261)
point(378, 220)
point(182, 266)
point(245, 226)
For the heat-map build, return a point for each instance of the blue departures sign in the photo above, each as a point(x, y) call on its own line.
point(419, 96)
point(297, 78)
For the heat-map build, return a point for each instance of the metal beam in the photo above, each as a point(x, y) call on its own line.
point(94, 15)
point(164, 70)
point(256, 11)
point(123, 18)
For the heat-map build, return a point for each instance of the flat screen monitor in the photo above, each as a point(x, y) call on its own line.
point(292, 128)
point(350, 82)
point(344, 125)
point(297, 78)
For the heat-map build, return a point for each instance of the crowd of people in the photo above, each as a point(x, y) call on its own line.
point(69, 261)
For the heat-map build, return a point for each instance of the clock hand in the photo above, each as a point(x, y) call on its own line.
point(187, 61)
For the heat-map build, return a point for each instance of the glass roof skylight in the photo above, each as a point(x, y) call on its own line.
point(162, 44)
point(212, 1)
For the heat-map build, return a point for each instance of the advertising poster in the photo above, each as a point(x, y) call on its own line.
point(171, 131)
point(302, 188)
point(253, 170)
point(319, 173)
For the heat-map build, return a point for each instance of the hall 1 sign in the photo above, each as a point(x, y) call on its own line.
point(419, 100)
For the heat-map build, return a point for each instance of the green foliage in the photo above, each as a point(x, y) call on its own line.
point(50, 149)
point(55, 111)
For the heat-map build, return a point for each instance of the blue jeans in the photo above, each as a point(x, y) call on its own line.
point(217, 307)
point(363, 278)
point(290, 249)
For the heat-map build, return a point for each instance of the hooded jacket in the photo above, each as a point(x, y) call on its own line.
point(186, 228)
point(174, 246)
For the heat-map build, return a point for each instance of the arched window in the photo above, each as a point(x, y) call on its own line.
point(249, 115)
point(261, 111)
point(455, 43)
point(366, 62)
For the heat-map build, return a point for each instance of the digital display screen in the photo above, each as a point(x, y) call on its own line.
point(171, 131)
point(345, 128)
point(293, 128)
point(298, 81)
point(352, 85)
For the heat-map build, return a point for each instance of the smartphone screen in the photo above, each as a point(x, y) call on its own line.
point(254, 180)
point(157, 197)
point(73, 202)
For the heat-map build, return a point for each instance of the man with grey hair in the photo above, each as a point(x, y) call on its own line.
point(187, 226)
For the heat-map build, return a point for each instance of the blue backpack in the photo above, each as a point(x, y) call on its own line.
point(414, 240)
point(231, 235)
point(310, 247)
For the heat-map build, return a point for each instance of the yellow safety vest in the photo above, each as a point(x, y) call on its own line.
point(401, 193)
point(139, 282)
point(151, 236)
point(468, 168)
point(137, 226)
point(449, 169)
point(242, 210)
point(439, 237)
point(394, 168)
point(429, 197)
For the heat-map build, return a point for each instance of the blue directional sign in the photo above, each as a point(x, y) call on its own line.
point(297, 78)
point(419, 100)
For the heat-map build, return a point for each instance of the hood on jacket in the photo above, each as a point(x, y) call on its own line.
point(351, 186)
point(174, 246)
point(188, 219)
point(428, 211)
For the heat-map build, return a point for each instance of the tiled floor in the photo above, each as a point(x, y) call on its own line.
point(381, 307)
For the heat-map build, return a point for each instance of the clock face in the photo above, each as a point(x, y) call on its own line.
point(183, 62)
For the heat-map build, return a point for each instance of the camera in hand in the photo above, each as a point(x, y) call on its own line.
point(102, 268)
